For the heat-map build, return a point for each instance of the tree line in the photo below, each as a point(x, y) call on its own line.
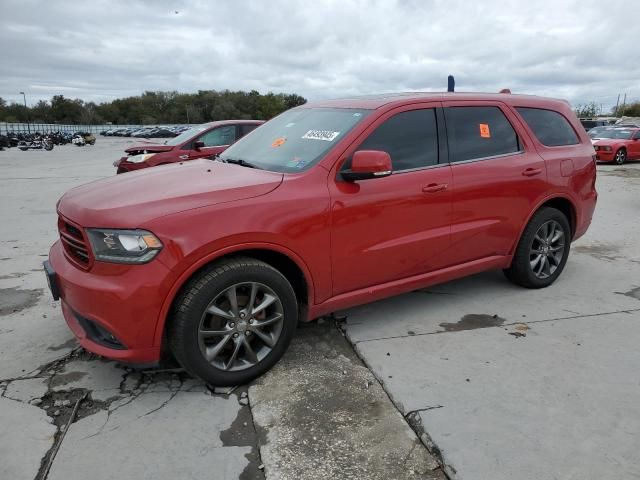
point(594, 110)
point(154, 108)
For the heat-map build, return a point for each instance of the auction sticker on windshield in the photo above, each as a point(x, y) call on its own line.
point(326, 135)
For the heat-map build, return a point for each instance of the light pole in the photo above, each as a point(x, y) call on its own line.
point(24, 97)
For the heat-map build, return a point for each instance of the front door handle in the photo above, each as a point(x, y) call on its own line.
point(184, 157)
point(530, 172)
point(435, 187)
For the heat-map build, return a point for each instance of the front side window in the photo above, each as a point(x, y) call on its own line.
point(296, 139)
point(410, 138)
point(479, 132)
point(551, 128)
point(186, 135)
point(219, 136)
point(637, 135)
point(246, 128)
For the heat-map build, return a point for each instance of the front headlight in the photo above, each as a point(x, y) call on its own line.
point(607, 148)
point(140, 158)
point(123, 246)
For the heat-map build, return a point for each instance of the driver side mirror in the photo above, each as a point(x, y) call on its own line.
point(198, 145)
point(367, 164)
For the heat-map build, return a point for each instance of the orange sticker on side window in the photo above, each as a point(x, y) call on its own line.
point(484, 130)
point(278, 142)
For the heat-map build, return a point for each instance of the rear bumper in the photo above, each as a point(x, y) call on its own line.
point(121, 300)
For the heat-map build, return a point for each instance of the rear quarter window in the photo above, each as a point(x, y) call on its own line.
point(551, 128)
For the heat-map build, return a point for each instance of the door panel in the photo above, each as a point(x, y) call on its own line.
point(390, 228)
point(634, 147)
point(492, 196)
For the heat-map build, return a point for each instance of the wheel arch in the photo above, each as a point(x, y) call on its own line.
point(559, 202)
point(282, 259)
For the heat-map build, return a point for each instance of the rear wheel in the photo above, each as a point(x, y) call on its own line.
point(233, 321)
point(621, 156)
point(542, 251)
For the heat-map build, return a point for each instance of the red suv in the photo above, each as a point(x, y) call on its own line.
point(201, 141)
point(326, 206)
point(618, 145)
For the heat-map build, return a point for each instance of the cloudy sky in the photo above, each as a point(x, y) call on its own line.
point(583, 51)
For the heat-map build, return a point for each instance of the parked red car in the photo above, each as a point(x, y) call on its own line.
point(326, 206)
point(201, 141)
point(618, 145)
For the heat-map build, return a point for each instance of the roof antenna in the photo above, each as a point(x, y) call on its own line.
point(451, 84)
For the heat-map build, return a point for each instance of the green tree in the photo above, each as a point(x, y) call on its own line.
point(591, 109)
point(630, 110)
point(156, 108)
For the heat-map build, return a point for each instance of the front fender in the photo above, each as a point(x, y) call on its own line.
point(212, 256)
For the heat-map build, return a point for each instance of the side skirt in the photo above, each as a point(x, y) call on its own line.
point(396, 287)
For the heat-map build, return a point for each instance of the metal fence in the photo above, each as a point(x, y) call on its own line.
point(58, 127)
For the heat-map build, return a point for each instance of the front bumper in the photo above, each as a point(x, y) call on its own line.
point(604, 156)
point(123, 301)
point(123, 166)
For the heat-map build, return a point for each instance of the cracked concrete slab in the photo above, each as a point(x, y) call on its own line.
point(27, 390)
point(159, 435)
point(548, 404)
point(323, 415)
point(101, 377)
point(25, 437)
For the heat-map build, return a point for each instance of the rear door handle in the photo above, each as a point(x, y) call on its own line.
point(530, 172)
point(434, 187)
point(184, 157)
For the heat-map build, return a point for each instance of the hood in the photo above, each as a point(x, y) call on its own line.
point(132, 199)
point(148, 148)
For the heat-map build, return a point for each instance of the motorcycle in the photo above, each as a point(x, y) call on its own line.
point(38, 142)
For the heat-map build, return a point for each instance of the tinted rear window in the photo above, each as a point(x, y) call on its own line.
point(479, 132)
point(551, 128)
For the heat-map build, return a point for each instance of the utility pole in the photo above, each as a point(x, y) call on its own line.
point(615, 112)
point(186, 107)
point(24, 97)
point(624, 102)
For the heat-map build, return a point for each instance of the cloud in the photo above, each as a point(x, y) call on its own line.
point(106, 49)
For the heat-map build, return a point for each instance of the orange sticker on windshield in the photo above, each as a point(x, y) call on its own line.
point(278, 142)
point(484, 130)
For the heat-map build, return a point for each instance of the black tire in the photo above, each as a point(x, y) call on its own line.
point(621, 156)
point(521, 271)
point(196, 297)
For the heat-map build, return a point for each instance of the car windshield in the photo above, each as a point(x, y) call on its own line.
point(616, 133)
point(296, 139)
point(596, 131)
point(186, 135)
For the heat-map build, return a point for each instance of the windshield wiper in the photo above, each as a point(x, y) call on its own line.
point(239, 161)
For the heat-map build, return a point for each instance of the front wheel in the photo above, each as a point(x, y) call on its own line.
point(542, 251)
point(233, 321)
point(621, 156)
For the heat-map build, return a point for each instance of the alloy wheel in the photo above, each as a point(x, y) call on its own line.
point(547, 249)
point(241, 326)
